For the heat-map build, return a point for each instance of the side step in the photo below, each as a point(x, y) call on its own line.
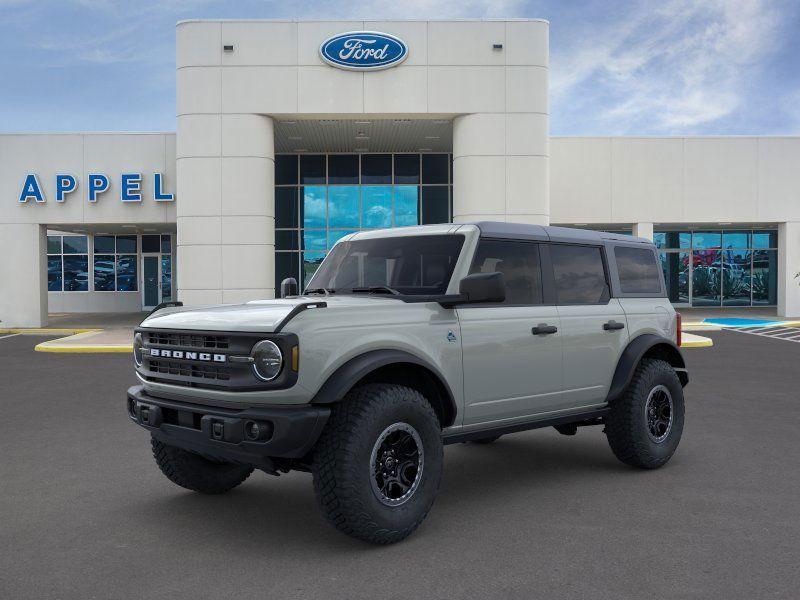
point(592, 417)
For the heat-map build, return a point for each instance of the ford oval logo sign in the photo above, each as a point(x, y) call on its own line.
point(363, 50)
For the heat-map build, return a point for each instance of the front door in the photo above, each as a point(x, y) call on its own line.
point(151, 288)
point(511, 350)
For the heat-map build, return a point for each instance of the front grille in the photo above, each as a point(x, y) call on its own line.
point(187, 369)
point(188, 340)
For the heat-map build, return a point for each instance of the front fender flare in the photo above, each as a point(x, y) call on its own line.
point(351, 372)
point(632, 356)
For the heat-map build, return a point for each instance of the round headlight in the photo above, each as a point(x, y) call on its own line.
point(267, 360)
point(137, 349)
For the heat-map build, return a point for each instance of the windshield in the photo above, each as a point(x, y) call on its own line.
point(412, 265)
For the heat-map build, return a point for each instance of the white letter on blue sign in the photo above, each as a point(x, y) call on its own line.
point(31, 189)
point(131, 188)
point(158, 195)
point(65, 184)
point(97, 185)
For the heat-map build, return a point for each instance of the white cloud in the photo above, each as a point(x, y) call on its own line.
point(669, 69)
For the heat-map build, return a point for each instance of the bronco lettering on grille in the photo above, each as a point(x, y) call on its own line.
point(201, 356)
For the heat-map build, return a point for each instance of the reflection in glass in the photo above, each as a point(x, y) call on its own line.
point(104, 272)
point(406, 205)
point(736, 239)
point(707, 239)
point(376, 206)
point(343, 168)
point(765, 239)
point(406, 168)
point(76, 273)
point(706, 277)
point(75, 244)
point(286, 239)
point(166, 277)
point(676, 275)
point(672, 239)
point(343, 206)
point(166, 244)
point(765, 277)
point(376, 168)
point(311, 262)
point(334, 235)
point(54, 280)
point(312, 168)
point(126, 274)
point(736, 278)
point(314, 239)
point(314, 206)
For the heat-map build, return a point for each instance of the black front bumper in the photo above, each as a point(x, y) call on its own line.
point(222, 433)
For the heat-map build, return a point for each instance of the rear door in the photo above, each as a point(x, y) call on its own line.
point(510, 372)
point(593, 324)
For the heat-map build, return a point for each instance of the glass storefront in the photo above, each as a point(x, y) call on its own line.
point(720, 267)
point(319, 198)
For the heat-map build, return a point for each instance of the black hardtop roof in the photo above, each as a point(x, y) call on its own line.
point(523, 231)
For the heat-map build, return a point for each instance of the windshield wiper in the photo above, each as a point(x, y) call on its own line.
point(375, 289)
point(321, 290)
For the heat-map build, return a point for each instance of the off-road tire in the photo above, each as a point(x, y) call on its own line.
point(626, 424)
point(193, 472)
point(342, 462)
point(487, 440)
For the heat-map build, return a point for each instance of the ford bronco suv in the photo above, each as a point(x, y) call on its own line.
point(406, 340)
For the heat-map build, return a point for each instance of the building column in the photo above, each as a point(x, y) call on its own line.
point(226, 222)
point(643, 230)
point(23, 301)
point(788, 266)
point(501, 168)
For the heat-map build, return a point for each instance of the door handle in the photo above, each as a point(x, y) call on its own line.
point(544, 329)
point(613, 325)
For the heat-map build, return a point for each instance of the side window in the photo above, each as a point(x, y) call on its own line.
point(638, 271)
point(519, 264)
point(579, 274)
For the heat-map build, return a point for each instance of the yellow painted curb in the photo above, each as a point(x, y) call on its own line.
point(695, 341)
point(46, 331)
point(47, 347)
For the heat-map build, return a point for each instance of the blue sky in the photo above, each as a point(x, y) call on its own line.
point(617, 67)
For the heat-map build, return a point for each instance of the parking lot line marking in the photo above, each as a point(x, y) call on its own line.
point(2, 337)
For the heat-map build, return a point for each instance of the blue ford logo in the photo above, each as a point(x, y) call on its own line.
point(363, 50)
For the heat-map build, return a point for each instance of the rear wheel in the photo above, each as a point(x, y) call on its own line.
point(193, 472)
point(645, 425)
point(378, 464)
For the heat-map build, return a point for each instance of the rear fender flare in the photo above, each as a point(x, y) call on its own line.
point(634, 352)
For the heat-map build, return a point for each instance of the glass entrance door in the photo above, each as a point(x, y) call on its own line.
point(151, 288)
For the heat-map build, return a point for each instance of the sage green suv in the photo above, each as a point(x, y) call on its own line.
point(406, 340)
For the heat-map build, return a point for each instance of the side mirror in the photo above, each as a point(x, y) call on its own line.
point(483, 287)
point(289, 287)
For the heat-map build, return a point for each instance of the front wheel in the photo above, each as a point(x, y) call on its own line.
point(378, 464)
point(645, 424)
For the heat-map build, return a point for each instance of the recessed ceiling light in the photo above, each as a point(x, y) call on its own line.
point(128, 226)
point(441, 121)
point(728, 223)
point(301, 149)
point(288, 122)
point(426, 149)
point(363, 122)
point(361, 136)
point(579, 224)
point(431, 137)
point(329, 121)
point(361, 149)
point(402, 121)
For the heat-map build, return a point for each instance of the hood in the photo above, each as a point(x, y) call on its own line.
point(258, 316)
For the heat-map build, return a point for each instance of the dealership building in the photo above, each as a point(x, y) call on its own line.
point(291, 135)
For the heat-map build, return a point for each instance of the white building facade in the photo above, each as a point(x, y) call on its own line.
point(292, 134)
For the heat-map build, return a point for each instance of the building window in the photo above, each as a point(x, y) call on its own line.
point(320, 198)
point(720, 267)
point(67, 263)
point(115, 263)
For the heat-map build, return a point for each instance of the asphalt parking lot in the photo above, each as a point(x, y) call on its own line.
point(85, 513)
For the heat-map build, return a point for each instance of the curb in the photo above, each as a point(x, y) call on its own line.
point(60, 348)
point(695, 341)
point(46, 331)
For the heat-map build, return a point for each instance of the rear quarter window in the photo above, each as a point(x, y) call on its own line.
point(638, 270)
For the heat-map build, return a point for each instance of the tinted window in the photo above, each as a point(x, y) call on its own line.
point(376, 168)
point(420, 264)
point(343, 168)
point(434, 168)
point(150, 243)
point(519, 264)
point(579, 274)
point(638, 271)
